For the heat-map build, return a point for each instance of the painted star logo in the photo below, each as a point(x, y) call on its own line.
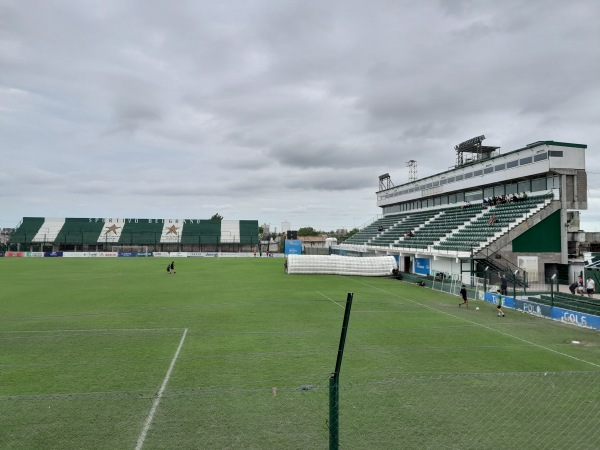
point(112, 229)
point(172, 230)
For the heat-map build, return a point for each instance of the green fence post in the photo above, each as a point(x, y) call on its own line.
point(334, 413)
point(334, 379)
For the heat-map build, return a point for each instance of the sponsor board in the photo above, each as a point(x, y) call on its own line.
point(492, 297)
point(53, 254)
point(576, 318)
point(535, 309)
point(76, 254)
point(293, 247)
point(127, 254)
point(422, 266)
point(36, 254)
point(15, 254)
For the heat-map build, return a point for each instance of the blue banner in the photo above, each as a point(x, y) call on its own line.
point(538, 309)
point(422, 266)
point(535, 309)
point(492, 297)
point(576, 318)
point(293, 247)
point(127, 254)
point(52, 254)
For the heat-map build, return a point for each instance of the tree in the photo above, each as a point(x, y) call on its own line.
point(308, 231)
point(342, 238)
point(217, 216)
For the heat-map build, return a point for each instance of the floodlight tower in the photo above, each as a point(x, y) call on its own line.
point(412, 170)
point(385, 182)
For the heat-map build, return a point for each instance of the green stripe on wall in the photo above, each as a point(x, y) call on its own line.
point(543, 237)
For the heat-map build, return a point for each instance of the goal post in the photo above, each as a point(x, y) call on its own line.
point(139, 249)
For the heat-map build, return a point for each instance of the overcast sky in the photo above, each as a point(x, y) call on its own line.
point(275, 110)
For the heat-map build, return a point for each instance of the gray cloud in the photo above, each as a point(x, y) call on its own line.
point(276, 110)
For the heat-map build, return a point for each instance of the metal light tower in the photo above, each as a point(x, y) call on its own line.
point(412, 170)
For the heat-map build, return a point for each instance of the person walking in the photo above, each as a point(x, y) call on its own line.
point(499, 304)
point(172, 266)
point(463, 294)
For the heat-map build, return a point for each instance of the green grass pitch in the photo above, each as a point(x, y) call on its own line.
point(86, 348)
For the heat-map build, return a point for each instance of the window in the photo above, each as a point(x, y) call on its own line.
point(500, 167)
point(474, 196)
point(452, 198)
point(445, 200)
point(428, 185)
point(468, 175)
point(552, 182)
point(524, 186)
point(459, 177)
point(451, 179)
point(436, 183)
point(488, 192)
point(443, 181)
point(511, 164)
point(460, 197)
point(511, 188)
point(555, 153)
point(498, 190)
point(539, 184)
point(540, 157)
point(488, 170)
point(524, 161)
point(478, 173)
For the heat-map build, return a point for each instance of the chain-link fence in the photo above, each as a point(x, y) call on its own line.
point(461, 411)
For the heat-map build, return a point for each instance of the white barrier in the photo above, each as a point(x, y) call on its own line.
point(371, 266)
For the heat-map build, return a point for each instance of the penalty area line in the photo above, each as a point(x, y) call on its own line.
point(148, 422)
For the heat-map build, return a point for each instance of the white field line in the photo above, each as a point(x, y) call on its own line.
point(483, 326)
point(90, 330)
point(148, 422)
point(330, 299)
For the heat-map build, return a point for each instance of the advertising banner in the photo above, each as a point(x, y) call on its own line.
point(576, 318)
point(422, 266)
point(127, 254)
point(535, 309)
point(293, 247)
point(15, 254)
point(53, 254)
point(492, 297)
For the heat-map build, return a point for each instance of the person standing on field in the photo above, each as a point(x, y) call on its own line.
point(172, 266)
point(463, 294)
point(504, 285)
point(590, 286)
point(499, 305)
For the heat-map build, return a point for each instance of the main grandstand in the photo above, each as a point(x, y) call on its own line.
point(498, 212)
point(117, 234)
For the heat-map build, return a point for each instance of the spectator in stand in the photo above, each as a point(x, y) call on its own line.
point(492, 219)
point(409, 233)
